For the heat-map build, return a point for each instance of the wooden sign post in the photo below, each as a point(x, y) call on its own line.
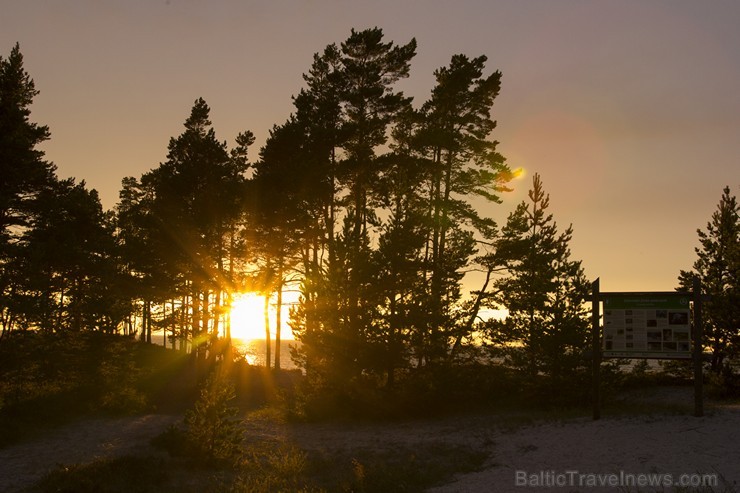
point(596, 350)
point(649, 325)
point(698, 350)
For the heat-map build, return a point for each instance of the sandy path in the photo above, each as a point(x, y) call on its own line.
point(652, 444)
point(474, 431)
point(23, 464)
point(677, 444)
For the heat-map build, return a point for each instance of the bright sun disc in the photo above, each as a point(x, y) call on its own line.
point(247, 317)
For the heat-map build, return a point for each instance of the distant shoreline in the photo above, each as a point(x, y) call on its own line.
point(253, 350)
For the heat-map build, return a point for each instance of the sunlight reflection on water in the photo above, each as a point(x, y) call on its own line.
point(254, 352)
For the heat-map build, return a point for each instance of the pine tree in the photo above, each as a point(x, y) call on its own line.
point(346, 110)
point(547, 328)
point(213, 427)
point(718, 267)
point(319, 113)
point(22, 165)
point(461, 163)
point(150, 276)
point(24, 174)
point(192, 205)
point(395, 230)
point(58, 258)
point(369, 104)
point(71, 262)
point(282, 213)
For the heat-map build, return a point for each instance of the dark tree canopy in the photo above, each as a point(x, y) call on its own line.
point(544, 291)
point(718, 267)
point(184, 214)
point(22, 164)
point(58, 256)
point(374, 207)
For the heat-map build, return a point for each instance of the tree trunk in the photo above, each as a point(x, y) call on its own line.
point(173, 324)
point(278, 315)
point(196, 318)
point(184, 323)
point(268, 338)
point(473, 315)
point(149, 322)
point(391, 361)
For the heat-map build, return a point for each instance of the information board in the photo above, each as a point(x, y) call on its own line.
point(647, 326)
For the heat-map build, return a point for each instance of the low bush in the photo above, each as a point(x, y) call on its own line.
point(723, 385)
point(212, 427)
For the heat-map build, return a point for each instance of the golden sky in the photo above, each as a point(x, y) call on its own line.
point(628, 109)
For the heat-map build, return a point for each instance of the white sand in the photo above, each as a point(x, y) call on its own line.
point(658, 443)
point(673, 444)
point(23, 464)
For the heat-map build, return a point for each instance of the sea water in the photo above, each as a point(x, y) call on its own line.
point(254, 352)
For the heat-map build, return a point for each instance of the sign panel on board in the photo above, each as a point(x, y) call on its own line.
point(647, 326)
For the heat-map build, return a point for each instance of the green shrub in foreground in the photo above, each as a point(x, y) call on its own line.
point(212, 426)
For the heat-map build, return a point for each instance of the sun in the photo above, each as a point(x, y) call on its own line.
point(248, 316)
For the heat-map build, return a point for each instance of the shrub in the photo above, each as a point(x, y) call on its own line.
point(270, 467)
point(212, 427)
point(724, 384)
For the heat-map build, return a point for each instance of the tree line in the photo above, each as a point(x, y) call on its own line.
point(373, 207)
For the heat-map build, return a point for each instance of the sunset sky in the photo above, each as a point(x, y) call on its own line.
point(629, 110)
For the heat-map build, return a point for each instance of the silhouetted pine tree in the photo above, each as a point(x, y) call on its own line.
point(150, 278)
point(192, 206)
point(547, 328)
point(24, 174)
point(58, 256)
point(461, 163)
point(393, 232)
point(347, 109)
point(369, 70)
point(72, 263)
point(281, 213)
point(718, 267)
